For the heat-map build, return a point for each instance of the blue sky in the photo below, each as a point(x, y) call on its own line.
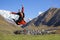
point(32, 7)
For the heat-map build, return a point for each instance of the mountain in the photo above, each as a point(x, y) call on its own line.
point(50, 18)
point(8, 16)
point(6, 27)
point(47, 20)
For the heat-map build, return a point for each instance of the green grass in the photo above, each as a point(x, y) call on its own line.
point(6, 33)
point(29, 37)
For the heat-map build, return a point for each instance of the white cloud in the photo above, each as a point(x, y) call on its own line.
point(40, 13)
point(29, 19)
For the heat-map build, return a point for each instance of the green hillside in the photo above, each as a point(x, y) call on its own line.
point(6, 27)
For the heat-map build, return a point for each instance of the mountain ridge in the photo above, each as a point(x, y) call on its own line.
point(49, 18)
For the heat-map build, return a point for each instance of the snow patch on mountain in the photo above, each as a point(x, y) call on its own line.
point(7, 15)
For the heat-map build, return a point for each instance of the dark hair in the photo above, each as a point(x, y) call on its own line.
point(23, 15)
point(20, 14)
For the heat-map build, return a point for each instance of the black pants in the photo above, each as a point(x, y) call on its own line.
point(19, 19)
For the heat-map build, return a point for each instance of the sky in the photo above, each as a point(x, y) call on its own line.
point(32, 8)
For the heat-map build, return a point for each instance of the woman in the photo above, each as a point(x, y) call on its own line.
point(21, 17)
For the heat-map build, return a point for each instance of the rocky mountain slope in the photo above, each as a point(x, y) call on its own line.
point(47, 20)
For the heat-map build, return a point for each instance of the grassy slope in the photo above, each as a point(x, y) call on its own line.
point(30, 37)
point(6, 27)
